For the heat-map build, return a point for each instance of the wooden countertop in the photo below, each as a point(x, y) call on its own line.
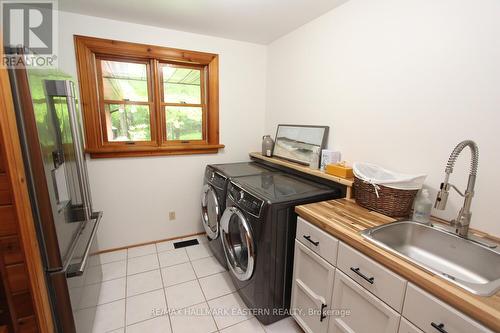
point(343, 219)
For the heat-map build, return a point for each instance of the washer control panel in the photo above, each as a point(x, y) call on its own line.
point(215, 178)
point(245, 200)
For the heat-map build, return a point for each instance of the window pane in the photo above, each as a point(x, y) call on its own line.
point(124, 81)
point(181, 85)
point(128, 122)
point(184, 123)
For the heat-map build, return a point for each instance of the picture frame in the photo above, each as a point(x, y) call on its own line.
point(296, 142)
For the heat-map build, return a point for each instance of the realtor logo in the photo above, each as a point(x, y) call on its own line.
point(30, 26)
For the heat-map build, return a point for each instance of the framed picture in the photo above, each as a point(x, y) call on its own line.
point(296, 142)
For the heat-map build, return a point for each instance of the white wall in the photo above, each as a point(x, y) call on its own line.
point(399, 83)
point(136, 194)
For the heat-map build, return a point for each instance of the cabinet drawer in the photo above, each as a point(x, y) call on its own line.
point(406, 327)
point(22, 306)
point(423, 309)
point(9, 221)
point(27, 325)
point(312, 289)
point(17, 278)
point(317, 240)
point(5, 196)
point(10, 250)
point(367, 314)
point(4, 182)
point(2, 163)
point(380, 281)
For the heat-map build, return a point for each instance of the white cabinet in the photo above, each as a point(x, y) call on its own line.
point(368, 314)
point(317, 240)
point(378, 300)
point(406, 327)
point(377, 279)
point(311, 289)
point(433, 316)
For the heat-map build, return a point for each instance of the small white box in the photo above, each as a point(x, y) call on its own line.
point(329, 157)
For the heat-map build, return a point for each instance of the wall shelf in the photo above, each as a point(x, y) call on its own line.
point(306, 170)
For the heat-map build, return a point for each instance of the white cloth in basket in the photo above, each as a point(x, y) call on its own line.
point(376, 175)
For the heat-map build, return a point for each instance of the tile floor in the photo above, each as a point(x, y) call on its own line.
point(156, 289)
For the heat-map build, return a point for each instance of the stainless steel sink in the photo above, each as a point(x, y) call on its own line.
point(471, 266)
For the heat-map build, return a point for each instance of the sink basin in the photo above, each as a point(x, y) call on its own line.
point(467, 264)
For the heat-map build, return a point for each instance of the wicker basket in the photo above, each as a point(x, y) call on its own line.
point(390, 201)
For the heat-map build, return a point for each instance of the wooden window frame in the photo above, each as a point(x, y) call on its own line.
point(163, 104)
point(103, 102)
point(90, 51)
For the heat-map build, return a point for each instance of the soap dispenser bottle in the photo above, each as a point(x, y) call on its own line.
point(422, 208)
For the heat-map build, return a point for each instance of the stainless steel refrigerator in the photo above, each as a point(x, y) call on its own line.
point(51, 136)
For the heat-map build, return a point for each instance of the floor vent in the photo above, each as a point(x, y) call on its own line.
point(190, 242)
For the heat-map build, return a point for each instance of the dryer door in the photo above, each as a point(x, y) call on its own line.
point(238, 242)
point(210, 211)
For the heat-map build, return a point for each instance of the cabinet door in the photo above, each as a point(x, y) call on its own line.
point(406, 327)
point(432, 315)
point(375, 278)
point(317, 240)
point(365, 312)
point(311, 289)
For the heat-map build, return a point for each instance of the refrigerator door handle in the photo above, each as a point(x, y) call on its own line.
point(66, 88)
point(78, 269)
point(79, 152)
point(72, 249)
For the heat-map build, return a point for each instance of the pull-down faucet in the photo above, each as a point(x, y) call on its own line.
point(461, 223)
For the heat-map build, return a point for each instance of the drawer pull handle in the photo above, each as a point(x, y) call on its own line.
point(368, 279)
point(322, 314)
point(439, 327)
point(308, 238)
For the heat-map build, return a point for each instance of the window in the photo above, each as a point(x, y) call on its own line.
point(126, 100)
point(182, 102)
point(141, 100)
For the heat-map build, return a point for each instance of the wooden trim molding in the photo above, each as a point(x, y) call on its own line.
point(149, 243)
point(15, 169)
point(88, 52)
point(128, 49)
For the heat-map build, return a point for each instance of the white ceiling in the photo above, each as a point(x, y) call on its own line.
point(258, 21)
